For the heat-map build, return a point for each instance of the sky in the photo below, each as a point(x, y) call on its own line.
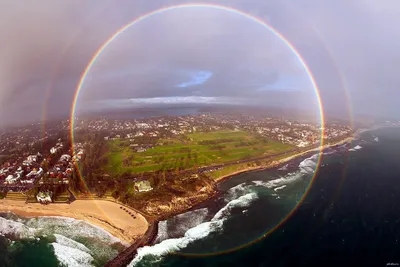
point(198, 55)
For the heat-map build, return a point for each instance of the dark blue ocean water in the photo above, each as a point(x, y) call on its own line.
point(351, 215)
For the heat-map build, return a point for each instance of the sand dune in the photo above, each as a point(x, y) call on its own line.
point(105, 214)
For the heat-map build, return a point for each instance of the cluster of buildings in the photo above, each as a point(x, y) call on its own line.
point(20, 176)
point(25, 167)
point(31, 136)
point(57, 148)
point(300, 134)
point(62, 170)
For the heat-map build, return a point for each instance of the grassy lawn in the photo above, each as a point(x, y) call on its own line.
point(199, 149)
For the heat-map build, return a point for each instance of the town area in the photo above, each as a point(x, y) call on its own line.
point(127, 159)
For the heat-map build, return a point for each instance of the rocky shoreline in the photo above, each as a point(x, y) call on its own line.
point(150, 236)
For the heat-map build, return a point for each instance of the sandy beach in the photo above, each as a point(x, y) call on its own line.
point(102, 213)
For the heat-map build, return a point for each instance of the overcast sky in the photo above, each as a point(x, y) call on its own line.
point(198, 55)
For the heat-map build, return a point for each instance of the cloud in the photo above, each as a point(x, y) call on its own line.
point(197, 78)
point(47, 45)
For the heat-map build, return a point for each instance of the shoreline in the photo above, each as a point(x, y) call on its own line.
point(99, 213)
point(273, 164)
point(120, 226)
point(276, 163)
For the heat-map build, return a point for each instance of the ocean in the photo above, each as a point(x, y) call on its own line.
point(349, 216)
point(54, 241)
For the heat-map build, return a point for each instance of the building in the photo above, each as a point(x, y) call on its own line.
point(53, 150)
point(11, 179)
point(32, 158)
point(143, 186)
point(44, 197)
point(65, 158)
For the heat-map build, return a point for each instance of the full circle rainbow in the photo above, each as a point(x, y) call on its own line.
point(235, 11)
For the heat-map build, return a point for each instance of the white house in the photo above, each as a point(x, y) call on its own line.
point(65, 157)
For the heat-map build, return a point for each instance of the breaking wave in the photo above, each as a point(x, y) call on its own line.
point(306, 167)
point(75, 242)
point(18, 230)
point(330, 151)
point(156, 252)
point(357, 147)
point(284, 167)
point(240, 196)
point(280, 187)
point(237, 191)
point(309, 165)
point(179, 224)
point(241, 202)
point(72, 257)
point(70, 227)
point(65, 241)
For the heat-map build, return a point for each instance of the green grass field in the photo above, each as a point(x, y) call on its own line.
point(198, 149)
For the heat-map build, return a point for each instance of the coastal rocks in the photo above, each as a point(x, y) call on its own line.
point(178, 204)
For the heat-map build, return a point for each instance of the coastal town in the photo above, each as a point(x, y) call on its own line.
point(43, 153)
point(141, 171)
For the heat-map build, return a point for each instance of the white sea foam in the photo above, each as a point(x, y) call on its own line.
point(259, 183)
point(357, 147)
point(196, 233)
point(72, 257)
point(181, 223)
point(65, 230)
point(283, 168)
point(329, 152)
point(162, 231)
point(307, 166)
point(175, 244)
point(241, 202)
point(190, 219)
point(289, 178)
point(65, 241)
point(70, 227)
point(236, 191)
point(17, 229)
point(280, 187)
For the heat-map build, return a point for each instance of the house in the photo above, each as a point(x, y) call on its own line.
point(79, 154)
point(11, 179)
point(143, 186)
point(32, 158)
point(65, 158)
point(44, 197)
